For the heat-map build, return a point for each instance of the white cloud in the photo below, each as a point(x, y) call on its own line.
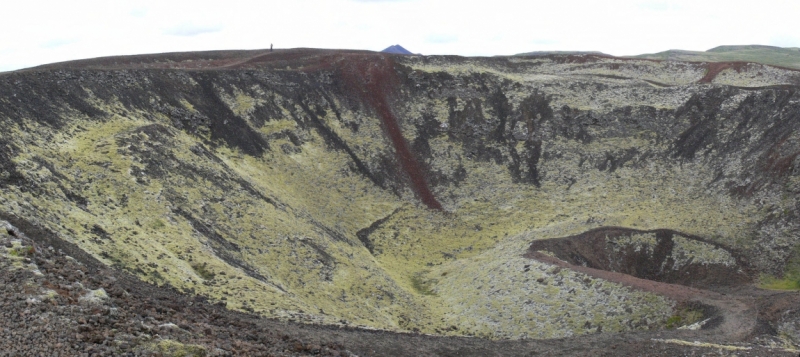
point(191, 29)
point(658, 5)
point(138, 12)
point(57, 42)
point(543, 41)
point(441, 38)
point(785, 41)
point(39, 31)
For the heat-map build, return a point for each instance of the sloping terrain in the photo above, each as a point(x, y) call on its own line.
point(549, 53)
point(57, 300)
point(776, 56)
point(404, 193)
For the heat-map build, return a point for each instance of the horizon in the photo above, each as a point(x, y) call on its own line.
point(544, 52)
point(56, 32)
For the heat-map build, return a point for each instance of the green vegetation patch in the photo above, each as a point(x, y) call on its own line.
point(787, 282)
point(22, 251)
point(422, 285)
point(786, 57)
point(684, 316)
point(791, 275)
point(173, 348)
point(158, 224)
point(277, 233)
point(203, 271)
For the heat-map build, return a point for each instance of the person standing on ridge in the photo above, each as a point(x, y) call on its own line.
point(270, 47)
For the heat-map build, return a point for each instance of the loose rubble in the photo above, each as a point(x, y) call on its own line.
point(53, 305)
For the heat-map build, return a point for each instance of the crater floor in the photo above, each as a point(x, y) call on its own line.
point(507, 198)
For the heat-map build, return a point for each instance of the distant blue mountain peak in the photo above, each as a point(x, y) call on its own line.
point(397, 49)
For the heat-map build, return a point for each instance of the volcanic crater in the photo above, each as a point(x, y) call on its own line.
point(564, 204)
point(661, 255)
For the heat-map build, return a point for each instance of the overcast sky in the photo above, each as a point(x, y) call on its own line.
point(34, 32)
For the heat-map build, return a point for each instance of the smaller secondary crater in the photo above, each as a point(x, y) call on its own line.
point(661, 255)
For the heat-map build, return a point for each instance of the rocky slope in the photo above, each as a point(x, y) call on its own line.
point(58, 300)
point(403, 193)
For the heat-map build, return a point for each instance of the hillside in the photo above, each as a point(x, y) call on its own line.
point(505, 198)
point(777, 56)
point(548, 53)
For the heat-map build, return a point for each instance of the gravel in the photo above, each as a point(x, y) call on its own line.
point(53, 305)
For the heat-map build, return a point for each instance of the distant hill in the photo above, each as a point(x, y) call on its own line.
point(397, 49)
point(778, 56)
point(545, 53)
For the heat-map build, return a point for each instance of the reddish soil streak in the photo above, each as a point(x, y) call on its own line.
point(738, 313)
point(778, 164)
point(367, 76)
point(373, 79)
point(715, 68)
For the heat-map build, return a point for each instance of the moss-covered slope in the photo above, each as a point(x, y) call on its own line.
point(400, 192)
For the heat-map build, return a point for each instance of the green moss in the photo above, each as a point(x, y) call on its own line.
point(290, 217)
point(687, 251)
point(173, 348)
point(203, 271)
point(790, 281)
point(422, 285)
point(683, 317)
point(49, 295)
point(283, 240)
point(788, 57)
point(158, 224)
point(95, 296)
point(21, 251)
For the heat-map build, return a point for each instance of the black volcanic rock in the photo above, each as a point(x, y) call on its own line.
point(399, 192)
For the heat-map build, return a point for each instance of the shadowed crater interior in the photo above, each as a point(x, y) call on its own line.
point(661, 255)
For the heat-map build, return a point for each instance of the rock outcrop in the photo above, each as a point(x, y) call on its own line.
point(402, 192)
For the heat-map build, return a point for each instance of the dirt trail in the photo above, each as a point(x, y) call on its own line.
point(145, 314)
point(737, 316)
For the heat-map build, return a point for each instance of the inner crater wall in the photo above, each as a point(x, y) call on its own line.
point(399, 193)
